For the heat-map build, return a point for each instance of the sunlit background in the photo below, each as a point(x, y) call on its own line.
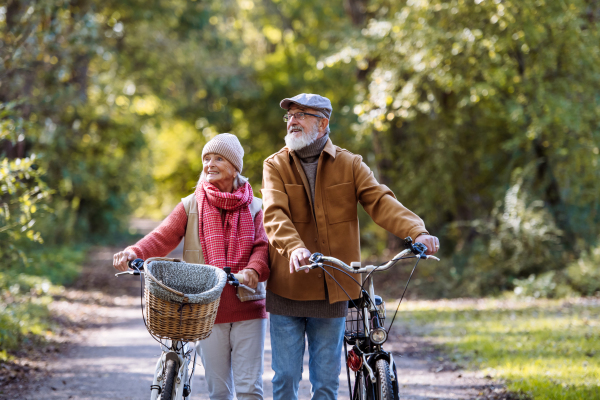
point(483, 116)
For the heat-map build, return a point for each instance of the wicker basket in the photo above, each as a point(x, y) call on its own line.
point(181, 300)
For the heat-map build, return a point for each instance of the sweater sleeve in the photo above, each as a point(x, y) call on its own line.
point(259, 259)
point(164, 238)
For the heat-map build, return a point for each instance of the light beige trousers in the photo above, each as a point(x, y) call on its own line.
point(233, 358)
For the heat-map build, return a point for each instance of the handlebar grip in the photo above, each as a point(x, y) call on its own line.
point(138, 264)
point(239, 277)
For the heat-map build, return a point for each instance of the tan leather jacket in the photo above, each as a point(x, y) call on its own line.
point(343, 180)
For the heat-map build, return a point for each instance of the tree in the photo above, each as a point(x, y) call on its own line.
point(464, 99)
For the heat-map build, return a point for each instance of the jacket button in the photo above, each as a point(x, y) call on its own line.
point(320, 275)
point(323, 242)
point(316, 240)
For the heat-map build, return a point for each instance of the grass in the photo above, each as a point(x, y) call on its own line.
point(26, 291)
point(545, 349)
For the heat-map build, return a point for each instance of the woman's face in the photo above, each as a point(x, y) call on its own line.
point(219, 171)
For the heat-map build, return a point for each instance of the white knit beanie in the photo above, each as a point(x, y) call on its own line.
point(228, 146)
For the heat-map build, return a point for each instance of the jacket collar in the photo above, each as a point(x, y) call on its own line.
point(329, 149)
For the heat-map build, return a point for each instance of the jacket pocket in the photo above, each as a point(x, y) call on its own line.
point(341, 203)
point(299, 205)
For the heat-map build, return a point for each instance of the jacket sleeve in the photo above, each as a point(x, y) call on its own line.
point(381, 204)
point(164, 238)
point(280, 229)
point(259, 259)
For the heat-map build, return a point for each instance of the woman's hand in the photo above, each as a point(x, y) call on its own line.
point(121, 258)
point(250, 277)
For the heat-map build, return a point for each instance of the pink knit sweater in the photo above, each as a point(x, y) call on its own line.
point(162, 240)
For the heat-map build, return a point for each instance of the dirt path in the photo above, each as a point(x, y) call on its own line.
point(113, 356)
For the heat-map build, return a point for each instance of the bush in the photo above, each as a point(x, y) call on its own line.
point(584, 274)
point(26, 286)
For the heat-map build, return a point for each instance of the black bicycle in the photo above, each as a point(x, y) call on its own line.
point(374, 370)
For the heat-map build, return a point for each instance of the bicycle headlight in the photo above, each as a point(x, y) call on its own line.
point(378, 335)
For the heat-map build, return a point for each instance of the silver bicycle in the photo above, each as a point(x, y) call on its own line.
point(374, 370)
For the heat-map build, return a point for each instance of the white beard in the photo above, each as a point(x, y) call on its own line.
point(295, 142)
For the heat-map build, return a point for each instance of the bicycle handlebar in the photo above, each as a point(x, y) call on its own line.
point(419, 249)
point(136, 267)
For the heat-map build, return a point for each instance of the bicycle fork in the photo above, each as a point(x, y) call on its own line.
point(182, 390)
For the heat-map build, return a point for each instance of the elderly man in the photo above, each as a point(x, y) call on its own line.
point(310, 193)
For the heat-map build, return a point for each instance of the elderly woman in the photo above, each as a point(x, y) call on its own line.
point(229, 236)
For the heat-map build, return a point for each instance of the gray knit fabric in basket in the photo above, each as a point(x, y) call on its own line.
point(202, 284)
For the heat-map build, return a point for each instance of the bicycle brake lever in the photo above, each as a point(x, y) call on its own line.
point(315, 257)
point(130, 272)
point(419, 249)
point(311, 266)
point(248, 288)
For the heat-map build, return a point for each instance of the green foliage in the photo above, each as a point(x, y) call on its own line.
point(454, 104)
point(59, 104)
point(519, 239)
point(545, 349)
point(465, 102)
point(22, 195)
point(471, 91)
point(26, 290)
point(584, 274)
point(23, 308)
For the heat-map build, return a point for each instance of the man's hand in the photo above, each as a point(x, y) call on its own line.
point(299, 257)
point(432, 243)
point(121, 258)
point(250, 277)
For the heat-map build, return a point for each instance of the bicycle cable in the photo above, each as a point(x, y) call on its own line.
point(350, 299)
point(376, 268)
point(363, 283)
point(362, 287)
point(402, 297)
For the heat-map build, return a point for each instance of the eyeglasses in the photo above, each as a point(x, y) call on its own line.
point(299, 116)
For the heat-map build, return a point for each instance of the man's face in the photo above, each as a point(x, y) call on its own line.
point(297, 127)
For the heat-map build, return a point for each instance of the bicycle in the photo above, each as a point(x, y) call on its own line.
point(172, 376)
point(375, 376)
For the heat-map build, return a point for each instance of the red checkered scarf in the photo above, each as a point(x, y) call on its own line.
point(237, 228)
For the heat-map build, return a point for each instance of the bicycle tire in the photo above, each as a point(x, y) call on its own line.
point(169, 383)
point(384, 390)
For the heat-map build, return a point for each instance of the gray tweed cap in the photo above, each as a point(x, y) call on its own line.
point(309, 100)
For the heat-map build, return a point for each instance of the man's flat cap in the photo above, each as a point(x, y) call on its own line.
point(309, 100)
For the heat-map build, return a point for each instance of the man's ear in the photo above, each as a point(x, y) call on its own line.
point(324, 123)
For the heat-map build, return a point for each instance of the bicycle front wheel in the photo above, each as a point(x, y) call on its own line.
point(169, 384)
point(384, 387)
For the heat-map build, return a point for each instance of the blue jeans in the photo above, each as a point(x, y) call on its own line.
point(325, 340)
